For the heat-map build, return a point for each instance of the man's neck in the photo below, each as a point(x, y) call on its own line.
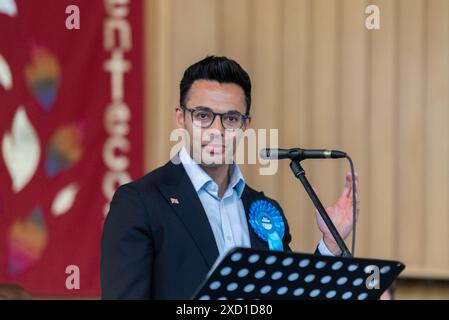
point(220, 175)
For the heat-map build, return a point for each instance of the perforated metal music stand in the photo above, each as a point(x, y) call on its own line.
point(246, 273)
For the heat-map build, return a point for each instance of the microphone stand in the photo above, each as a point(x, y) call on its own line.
point(299, 173)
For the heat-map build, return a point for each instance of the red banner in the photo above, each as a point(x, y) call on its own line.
point(70, 133)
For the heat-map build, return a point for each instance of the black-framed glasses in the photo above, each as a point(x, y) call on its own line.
point(204, 117)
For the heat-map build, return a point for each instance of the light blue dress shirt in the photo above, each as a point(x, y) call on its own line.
point(226, 215)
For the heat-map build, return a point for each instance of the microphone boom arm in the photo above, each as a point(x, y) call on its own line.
point(299, 173)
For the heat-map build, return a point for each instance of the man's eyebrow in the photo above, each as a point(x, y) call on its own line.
point(202, 108)
point(209, 109)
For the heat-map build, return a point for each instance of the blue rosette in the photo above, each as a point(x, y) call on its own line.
point(267, 222)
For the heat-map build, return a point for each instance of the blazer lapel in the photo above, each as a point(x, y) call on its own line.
point(180, 194)
point(248, 197)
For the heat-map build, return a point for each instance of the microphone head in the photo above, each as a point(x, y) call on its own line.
point(274, 154)
point(299, 154)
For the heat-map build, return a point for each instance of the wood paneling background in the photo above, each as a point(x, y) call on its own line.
point(326, 81)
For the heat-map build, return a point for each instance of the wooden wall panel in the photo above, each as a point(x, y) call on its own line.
point(325, 81)
point(266, 47)
point(382, 98)
point(353, 119)
point(436, 176)
point(325, 104)
point(409, 134)
point(296, 118)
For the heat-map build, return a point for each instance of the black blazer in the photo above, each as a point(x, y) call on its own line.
point(155, 248)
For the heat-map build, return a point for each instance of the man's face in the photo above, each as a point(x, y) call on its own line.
point(220, 98)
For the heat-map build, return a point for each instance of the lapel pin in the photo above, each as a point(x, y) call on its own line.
point(174, 200)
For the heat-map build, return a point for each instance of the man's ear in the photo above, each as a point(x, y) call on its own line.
point(179, 117)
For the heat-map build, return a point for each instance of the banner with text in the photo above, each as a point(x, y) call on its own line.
point(71, 107)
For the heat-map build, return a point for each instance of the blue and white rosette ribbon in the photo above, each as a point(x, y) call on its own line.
point(268, 224)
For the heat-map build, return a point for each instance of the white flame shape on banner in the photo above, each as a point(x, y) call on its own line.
point(21, 150)
point(8, 7)
point(5, 74)
point(64, 199)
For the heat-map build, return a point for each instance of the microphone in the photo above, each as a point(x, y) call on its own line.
point(300, 154)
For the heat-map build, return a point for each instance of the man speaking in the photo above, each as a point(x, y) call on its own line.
point(164, 232)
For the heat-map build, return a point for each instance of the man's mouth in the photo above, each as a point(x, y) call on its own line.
point(214, 148)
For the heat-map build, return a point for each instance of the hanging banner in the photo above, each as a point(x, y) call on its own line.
point(71, 127)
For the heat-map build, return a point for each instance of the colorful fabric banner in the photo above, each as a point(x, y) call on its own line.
point(71, 124)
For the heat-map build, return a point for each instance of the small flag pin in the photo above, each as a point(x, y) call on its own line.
point(174, 200)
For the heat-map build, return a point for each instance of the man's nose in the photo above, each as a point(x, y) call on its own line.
point(217, 125)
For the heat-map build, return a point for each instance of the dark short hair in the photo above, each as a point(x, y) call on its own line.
point(220, 69)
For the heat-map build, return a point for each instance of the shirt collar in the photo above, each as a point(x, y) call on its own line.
point(200, 178)
point(237, 181)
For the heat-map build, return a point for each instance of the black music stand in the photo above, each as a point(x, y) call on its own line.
point(245, 273)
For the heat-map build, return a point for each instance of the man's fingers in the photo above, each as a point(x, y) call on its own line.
point(349, 192)
point(348, 185)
